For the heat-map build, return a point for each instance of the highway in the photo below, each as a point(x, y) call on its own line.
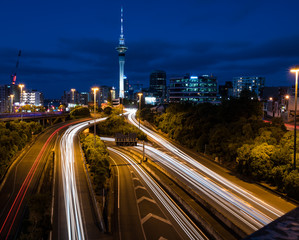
point(73, 212)
point(21, 181)
point(145, 211)
point(245, 209)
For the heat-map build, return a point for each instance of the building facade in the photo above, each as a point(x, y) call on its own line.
point(252, 83)
point(4, 103)
point(9, 95)
point(195, 89)
point(226, 90)
point(71, 97)
point(158, 85)
point(33, 97)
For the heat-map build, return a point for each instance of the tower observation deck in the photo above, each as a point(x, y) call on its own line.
point(121, 49)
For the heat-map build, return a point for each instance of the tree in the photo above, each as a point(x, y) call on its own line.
point(260, 161)
point(291, 182)
point(80, 112)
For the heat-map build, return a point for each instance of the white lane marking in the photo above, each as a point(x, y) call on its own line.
point(150, 215)
point(139, 200)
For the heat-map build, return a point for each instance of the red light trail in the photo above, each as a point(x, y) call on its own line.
point(13, 212)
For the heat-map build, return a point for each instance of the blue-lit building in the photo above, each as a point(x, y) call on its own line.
point(195, 89)
point(252, 83)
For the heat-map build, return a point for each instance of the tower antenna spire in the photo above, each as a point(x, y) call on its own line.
point(121, 49)
point(121, 22)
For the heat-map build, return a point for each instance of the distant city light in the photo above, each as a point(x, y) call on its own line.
point(150, 100)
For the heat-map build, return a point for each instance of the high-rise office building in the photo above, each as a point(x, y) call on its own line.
point(251, 83)
point(84, 98)
point(121, 49)
point(6, 91)
point(158, 85)
point(33, 97)
point(226, 90)
point(196, 89)
point(126, 87)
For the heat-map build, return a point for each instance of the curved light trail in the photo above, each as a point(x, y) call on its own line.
point(14, 210)
point(71, 199)
point(190, 230)
point(251, 216)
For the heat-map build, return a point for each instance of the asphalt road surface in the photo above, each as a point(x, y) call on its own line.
point(21, 181)
point(243, 207)
point(74, 213)
point(145, 211)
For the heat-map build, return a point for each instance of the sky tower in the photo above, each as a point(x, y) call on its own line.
point(121, 55)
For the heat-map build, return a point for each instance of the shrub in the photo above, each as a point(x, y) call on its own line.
point(80, 112)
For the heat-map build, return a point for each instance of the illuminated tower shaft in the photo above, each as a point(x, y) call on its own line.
point(121, 56)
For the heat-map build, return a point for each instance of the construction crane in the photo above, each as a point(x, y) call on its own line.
point(14, 76)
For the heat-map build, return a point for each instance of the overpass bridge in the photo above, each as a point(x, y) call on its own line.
point(44, 118)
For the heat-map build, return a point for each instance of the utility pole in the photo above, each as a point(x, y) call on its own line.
point(140, 95)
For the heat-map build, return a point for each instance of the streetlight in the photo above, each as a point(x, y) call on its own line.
point(295, 70)
point(11, 102)
point(287, 97)
point(21, 99)
point(95, 89)
point(111, 93)
point(73, 93)
point(140, 95)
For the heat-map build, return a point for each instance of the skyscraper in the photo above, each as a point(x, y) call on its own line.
point(158, 84)
point(121, 49)
point(196, 89)
point(252, 83)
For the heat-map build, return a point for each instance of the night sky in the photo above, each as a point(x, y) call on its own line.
point(71, 44)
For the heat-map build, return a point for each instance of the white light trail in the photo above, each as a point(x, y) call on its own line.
point(190, 230)
point(232, 203)
point(71, 200)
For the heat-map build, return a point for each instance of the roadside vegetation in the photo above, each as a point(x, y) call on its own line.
point(97, 160)
point(13, 138)
point(118, 124)
point(79, 112)
point(37, 217)
point(235, 135)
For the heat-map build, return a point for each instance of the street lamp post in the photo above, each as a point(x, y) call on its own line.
point(295, 70)
point(287, 97)
point(11, 102)
point(140, 95)
point(95, 89)
point(21, 99)
point(73, 95)
point(21, 96)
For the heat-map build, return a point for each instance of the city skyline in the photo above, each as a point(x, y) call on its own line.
point(74, 45)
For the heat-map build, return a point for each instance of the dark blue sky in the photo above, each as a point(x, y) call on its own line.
point(71, 44)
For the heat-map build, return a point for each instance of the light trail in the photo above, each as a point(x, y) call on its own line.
point(182, 220)
point(14, 210)
point(71, 200)
point(232, 203)
point(224, 198)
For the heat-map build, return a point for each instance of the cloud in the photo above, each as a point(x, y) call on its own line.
point(86, 62)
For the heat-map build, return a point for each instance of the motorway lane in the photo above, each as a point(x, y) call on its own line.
point(250, 215)
point(21, 180)
point(128, 224)
point(160, 217)
point(91, 229)
point(73, 211)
